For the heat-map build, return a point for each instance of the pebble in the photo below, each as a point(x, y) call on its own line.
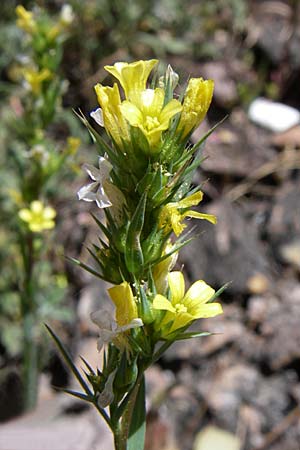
point(274, 116)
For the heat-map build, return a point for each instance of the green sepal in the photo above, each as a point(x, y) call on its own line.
point(153, 245)
point(182, 336)
point(145, 308)
point(133, 252)
point(219, 291)
point(127, 373)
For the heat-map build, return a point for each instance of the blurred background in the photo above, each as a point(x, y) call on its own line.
point(238, 389)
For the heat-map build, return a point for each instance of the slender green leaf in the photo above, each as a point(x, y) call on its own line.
point(68, 359)
point(136, 439)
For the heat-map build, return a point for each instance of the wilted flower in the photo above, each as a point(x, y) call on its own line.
point(95, 191)
point(106, 397)
point(109, 330)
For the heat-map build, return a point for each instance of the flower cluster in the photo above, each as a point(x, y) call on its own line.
point(143, 183)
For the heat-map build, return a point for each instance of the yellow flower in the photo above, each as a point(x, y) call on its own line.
point(196, 102)
point(172, 214)
point(182, 309)
point(73, 144)
point(38, 217)
point(126, 309)
point(114, 122)
point(34, 79)
point(25, 20)
point(132, 77)
point(149, 114)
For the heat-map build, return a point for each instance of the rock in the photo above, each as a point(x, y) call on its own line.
point(290, 253)
point(216, 439)
point(274, 116)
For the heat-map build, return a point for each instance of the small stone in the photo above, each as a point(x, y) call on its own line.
point(216, 439)
point(258, 283)
point(272, 115)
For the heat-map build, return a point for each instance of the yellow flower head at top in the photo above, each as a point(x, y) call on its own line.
point(132, 76)
point(38, 217)
point(172, 214)
point(143, 108)
point(35, 79)
point(149, 114)
point(196, 102)
point(25, 20)
point(182, 309)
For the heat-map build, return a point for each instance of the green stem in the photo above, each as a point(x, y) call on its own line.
point(28, 308)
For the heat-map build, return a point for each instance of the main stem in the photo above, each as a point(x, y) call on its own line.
point(30, 348)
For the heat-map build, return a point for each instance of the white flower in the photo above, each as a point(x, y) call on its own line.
point(109, 328)
point(97, 115)
point(67, 15)
point(106, 397)
point(95, 191)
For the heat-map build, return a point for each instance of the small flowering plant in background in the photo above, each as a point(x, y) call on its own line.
point(35, 163)
point(143, 183)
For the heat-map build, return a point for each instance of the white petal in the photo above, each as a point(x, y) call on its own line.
point(101, 198)
point(102, 318)
point(135, 323)
point(83, 193)
point(97, 115)
point(93, 172)
point(104, 168)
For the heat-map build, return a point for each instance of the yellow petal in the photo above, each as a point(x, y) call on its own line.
point(25, 214)
point(180, 321)
point(198, 294)
point(196, 102)
point(49, 213)
point(36, 207)
point(110, 102)
point(122, 297)
point(208, 310)
point(162, 303)
point(197, 215)
point(177, 286)
point(169, 111)
point(191, 200)
point(132, 77)
point(132, 113)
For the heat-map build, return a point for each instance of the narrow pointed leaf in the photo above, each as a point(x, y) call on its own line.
point(68, 360)
point(136, 440)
